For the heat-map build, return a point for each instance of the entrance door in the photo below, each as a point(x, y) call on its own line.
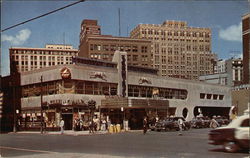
point(136, 119)
point(68, 121)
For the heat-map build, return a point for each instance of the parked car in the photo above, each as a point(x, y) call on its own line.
point(200, 122)
point(171, 123)
point(234, 136)
point(166, 125)
point(225, 121)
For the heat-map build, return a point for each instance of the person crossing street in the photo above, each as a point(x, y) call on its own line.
point(145, 124)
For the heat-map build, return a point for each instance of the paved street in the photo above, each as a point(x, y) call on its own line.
point(192, 143)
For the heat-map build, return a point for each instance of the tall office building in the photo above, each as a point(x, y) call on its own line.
point(177, 49)
point(96, 46)
point(246, 51)
point(27, 59)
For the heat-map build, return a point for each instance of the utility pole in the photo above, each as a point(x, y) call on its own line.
point(41, 86)
point(14, 106)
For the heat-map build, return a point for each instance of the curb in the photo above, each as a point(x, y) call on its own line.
point(72, 133)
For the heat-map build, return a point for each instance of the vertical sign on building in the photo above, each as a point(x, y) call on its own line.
point(124, 76)
point(122, 66)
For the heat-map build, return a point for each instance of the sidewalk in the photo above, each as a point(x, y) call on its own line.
point(66, 132)
point(74, 133)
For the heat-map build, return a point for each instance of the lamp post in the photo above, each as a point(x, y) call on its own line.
point(41, 86)
point(14, 107)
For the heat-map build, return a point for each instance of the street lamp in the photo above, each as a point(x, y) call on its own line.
point(11, 83)
point(41, 86)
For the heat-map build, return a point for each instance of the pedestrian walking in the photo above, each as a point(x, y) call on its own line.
point(62, 126)
point(145, 123)
point(103, 125)
point(180, 124)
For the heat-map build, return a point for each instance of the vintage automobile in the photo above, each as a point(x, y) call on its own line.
point(171, 123)
point(165, 125)
point(234, 136)
point(200, 122)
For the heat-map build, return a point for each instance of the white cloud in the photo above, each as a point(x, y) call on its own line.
point(19, 38)
point(232, 33)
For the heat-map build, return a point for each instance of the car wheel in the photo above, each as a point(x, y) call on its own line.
point(231, 147)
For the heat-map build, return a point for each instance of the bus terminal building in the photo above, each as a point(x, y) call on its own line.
point(121, 92)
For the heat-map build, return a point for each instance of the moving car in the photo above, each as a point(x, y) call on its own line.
point(234, 136)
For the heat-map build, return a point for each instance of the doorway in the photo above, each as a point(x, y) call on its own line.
point(68, 121)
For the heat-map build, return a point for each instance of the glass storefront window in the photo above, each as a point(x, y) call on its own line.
point(88, 88)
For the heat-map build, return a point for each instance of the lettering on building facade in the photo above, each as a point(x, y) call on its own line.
point(100, 75)
point(145, 80)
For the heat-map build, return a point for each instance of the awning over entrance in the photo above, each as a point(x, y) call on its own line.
point(119, 102)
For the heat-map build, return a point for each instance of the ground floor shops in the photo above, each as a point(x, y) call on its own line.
point(113, 110)
point(31, 119)
point(132, 111)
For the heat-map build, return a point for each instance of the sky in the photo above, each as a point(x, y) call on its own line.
point(222, 16)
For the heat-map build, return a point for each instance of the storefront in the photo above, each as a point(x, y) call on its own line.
point(134, 110)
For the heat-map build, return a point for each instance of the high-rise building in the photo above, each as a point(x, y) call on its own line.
point(177, 49)
point(96, 46)
point(246, 51)
point(27, 59)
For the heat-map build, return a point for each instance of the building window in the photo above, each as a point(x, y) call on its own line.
point(106, 47)
point(135, 57)
point(215, 96)
point(134, 49)
point(209, 96)
point(144, 49)
point(221, 97)
point(202, 95)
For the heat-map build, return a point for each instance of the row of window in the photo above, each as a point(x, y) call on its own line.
point(41, 63)
point(211, 96)
point(127, 48)
point(41, 52)
point(97, 88)
point(168, 93)
point(26, 57)
point(74, 87)
point(62, 47)
point(176, 33)
point(174, 39)
point(26, 67)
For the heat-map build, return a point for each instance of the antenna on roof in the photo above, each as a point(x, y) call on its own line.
point(127, 32)
point(119, 15)
point(64, 40)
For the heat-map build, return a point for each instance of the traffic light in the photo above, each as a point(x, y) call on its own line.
point(91, 104)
